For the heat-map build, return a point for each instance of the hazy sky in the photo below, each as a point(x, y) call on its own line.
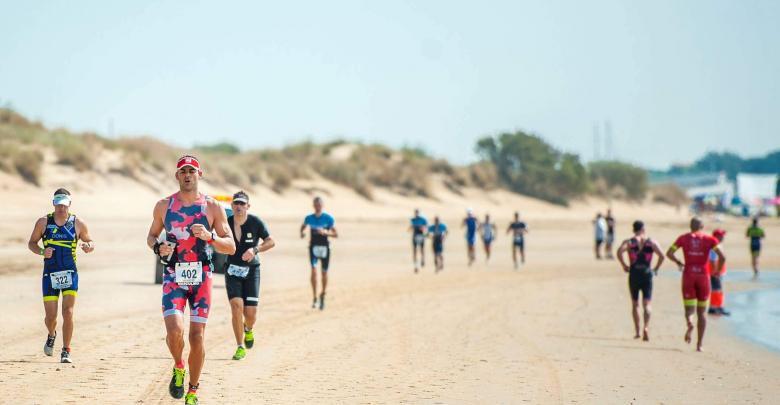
point(674, 78)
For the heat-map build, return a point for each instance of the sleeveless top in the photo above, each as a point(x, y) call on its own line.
point(640, 258)
point(178, 223)
point(63, 239)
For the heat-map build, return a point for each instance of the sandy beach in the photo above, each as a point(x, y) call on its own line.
point(556, 331)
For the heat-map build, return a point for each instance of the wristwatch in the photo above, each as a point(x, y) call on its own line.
point(256, 250)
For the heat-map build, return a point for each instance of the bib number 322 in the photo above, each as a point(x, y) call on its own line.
point(61, 280)
point(189, 273)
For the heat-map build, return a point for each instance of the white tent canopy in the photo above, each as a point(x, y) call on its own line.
point(754, 188)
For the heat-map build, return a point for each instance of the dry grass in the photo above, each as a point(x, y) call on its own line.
point(669, 193)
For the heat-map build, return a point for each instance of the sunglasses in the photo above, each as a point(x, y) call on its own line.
point(239, 203)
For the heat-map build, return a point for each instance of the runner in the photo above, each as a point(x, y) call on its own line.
point(195, 225)
point(518, 229)
point(610, 234)
point(418, 227)
point(438, 232)
point(716, 281)
point(61, 232)
point(242, 277)
point(488, 231)
point(470, 222)
point(696, 247)
point(755, 233)
point(321, 226)
point(600, 228)
point(640, 273)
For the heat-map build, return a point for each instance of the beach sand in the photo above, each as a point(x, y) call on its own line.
point(556, 331)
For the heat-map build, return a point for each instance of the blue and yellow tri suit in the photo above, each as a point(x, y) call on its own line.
point(59, 271)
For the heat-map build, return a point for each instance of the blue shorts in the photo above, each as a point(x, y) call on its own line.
point(438, 247)
point(52, 294)
point(471, 239)
point(519, 243)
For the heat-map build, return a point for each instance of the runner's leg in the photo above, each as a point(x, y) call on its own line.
point(197, 351)
point(647, 310)
point(701, 314)
point(237, 309)
point(250, 316)
point(174, 329)
point(635, 315)
point(314, 282)
point(50, 308)
point(68, 302)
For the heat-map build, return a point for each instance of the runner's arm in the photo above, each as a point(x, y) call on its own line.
point(620, 251)
point(670, 256)
point(721, 259)
point(84, 235)
point(222, 237)
point(35, 237)
point(303, 228)
point(333, 233)
point(157, 223)
point(267, 244)
point(659, 252)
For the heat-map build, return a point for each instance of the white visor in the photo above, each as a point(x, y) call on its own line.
point(61, 199)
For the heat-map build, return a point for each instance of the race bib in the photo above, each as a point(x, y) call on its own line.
point(320, 252)
point(238, 271)
point(419, 239)
point(61, 280)
point(189, 273)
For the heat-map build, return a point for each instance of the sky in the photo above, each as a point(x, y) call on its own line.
point(672, 79)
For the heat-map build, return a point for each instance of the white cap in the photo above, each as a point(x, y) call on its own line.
point(61, 199)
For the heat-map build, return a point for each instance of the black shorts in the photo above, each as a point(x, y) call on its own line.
point(519, 243)
point(438, 247)
point(248, 288)
point(640, 280)
point(323, 255)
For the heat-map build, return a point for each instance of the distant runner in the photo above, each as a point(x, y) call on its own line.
point(242, 277)
point(195, 225)
point(471, 223)
point(488, 231)
point(755, 233)
point(716, 281)
point(419, 225)
point(640, 273)
point(438, 232)
point(61, 232)
point(518, 229)
point(600, 229)
point(610, 233)
point(321, 226)
point(696, 247)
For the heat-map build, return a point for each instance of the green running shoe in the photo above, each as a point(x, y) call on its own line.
point(249, 338)
point(191, 399)
point(240, 353)
point(176, 387)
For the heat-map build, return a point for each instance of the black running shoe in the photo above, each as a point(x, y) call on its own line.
point(322, 301)
point(48, 347)
point(176, 387)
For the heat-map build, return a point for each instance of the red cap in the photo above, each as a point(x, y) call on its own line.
point(719, 233)
point(190, 161)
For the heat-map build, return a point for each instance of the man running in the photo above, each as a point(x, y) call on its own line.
point(321, 227)
point(610, 233)
point(418, 227)
point(755, 233)
point(696, 247)
point(242, 277)
point(488, 231)
point(640, 273)
point(195, 225)
point(716, 281)
point(61, 232)
point(518, 229)
point(470, 222)
point(438, 232)
point(600, 228)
